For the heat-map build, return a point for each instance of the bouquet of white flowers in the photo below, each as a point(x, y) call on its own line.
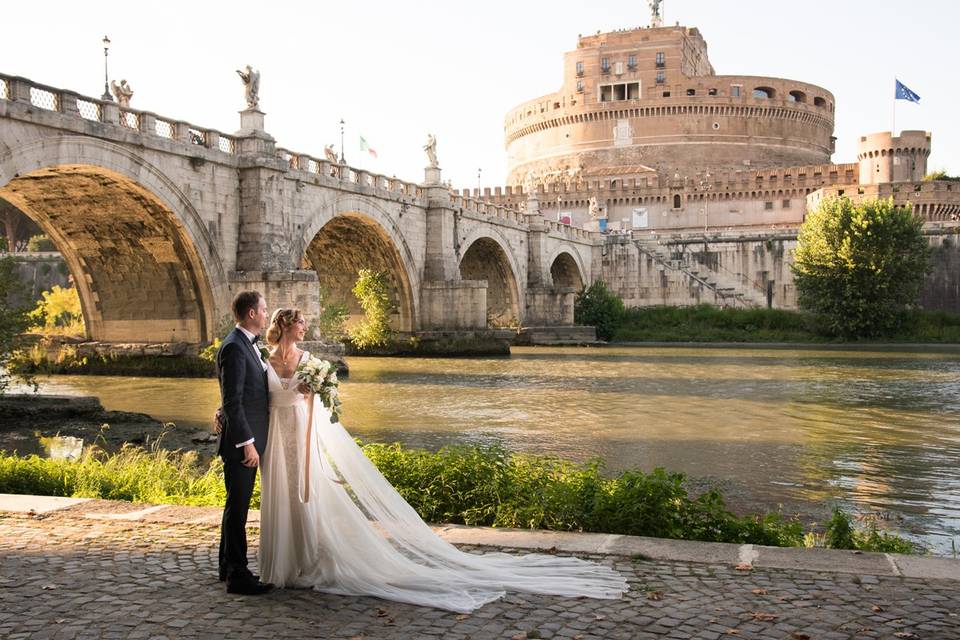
point(321, 377)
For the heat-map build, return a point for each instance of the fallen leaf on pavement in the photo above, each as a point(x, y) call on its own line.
point(798, 635)
point(382, 613)
point(48, 587)
point(654, 595)
point(520, 636)
point(463, 616)
point(732, 632)
point(877, 608)
point(905, 634)
point(744, 566)
point(759, 592)
point(599, 617)
point(766, 617)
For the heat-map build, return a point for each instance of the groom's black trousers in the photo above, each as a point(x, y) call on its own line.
point(239, 481)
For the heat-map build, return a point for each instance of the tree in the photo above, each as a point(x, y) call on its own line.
point(372, 290)
point(597, 306)
point(859, 267)
point(14, 319)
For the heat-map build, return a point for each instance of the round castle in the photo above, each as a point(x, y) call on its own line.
point(647, 100)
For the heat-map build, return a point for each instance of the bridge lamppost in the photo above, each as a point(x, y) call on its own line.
point(343, 159)
point(106, 83)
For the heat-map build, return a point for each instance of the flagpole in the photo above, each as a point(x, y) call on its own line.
point(893, 128)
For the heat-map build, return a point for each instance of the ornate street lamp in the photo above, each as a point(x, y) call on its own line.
point(343, 159)
point(106, 83)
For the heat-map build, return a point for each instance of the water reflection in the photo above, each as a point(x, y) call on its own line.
point(876, 431)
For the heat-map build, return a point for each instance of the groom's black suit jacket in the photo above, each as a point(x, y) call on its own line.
point(243, 390)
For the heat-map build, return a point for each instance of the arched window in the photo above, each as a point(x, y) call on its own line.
point(797, 96)
point(763, 92)
point(676, 201)
point(819, 102)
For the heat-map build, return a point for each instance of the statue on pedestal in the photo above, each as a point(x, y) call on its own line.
point(596, 211)
point(330, 153)
point(656, 19)
point(431, 150)
point(251, 86)
point(122, 92)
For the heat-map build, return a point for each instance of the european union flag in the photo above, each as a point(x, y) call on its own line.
point(903, 93)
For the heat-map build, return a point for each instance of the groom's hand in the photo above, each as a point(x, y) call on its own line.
point(250, 456)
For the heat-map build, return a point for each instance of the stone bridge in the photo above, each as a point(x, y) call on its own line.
point(161, 222)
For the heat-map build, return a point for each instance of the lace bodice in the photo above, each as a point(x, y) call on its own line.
point(283, 391)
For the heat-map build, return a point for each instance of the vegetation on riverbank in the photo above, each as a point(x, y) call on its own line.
point(707, 323)
point(33, 361)
point(471, 485)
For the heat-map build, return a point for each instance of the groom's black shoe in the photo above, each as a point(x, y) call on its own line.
point(248, 587)
point(252, 576)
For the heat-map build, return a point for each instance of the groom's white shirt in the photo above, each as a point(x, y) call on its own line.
point(250, 336)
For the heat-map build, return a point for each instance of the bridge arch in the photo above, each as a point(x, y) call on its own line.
point(486, 256)
point(566, 268)
point(355, 234)
point(144, 264)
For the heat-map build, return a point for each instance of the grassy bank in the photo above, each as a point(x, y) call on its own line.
point(707, 323)
point(462, 485)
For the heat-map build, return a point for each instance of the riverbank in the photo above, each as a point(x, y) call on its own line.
point(470, 485)
point(36, 423)
point(703, 324)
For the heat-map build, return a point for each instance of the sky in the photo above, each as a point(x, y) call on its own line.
point(396, 71)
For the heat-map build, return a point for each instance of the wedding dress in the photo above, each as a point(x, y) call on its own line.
point(330, 521)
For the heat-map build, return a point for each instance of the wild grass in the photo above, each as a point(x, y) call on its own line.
point(471, 485)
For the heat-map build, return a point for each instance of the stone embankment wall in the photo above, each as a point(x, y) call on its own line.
point(39, 272)
point(742, 271)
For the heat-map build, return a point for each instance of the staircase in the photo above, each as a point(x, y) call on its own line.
point(728, 287)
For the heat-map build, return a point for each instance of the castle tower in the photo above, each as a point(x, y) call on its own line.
point(885, 158)
point(643, 102)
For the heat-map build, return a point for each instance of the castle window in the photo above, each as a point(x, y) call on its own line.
point(632, 61)
point(735, 90)
point(819, 102)
point(620, 91)
point(618, 68)
point(661, 78)
point(676, 201)
point(797, 96)
point(768, 206)
point(605, 65)
point(579, 86)
point(661, 59)
point(763, 93)
point(786, 204)
point(711, 92)
point(691, 92)
point(666, 94)
point(580, 68)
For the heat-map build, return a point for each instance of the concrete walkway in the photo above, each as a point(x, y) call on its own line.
point(73, 568)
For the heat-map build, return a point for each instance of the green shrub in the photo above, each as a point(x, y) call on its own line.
point(14, 319)
point(332, 320)
point(372, 290)
point(58, 312)
point(40, 243)
point(598, 306)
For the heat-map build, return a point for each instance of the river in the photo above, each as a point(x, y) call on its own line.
point(877, 432)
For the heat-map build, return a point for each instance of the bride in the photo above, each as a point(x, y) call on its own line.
point(330, 521)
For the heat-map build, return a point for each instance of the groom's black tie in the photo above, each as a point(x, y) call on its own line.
point(254, 339)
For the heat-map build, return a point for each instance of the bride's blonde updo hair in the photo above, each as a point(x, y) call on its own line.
point(281, 319)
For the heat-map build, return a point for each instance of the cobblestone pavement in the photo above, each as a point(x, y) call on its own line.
point(64, 575)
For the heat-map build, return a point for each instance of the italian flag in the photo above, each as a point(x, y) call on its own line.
point(365, 146)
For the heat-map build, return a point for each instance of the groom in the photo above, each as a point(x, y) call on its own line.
point(245, 409)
